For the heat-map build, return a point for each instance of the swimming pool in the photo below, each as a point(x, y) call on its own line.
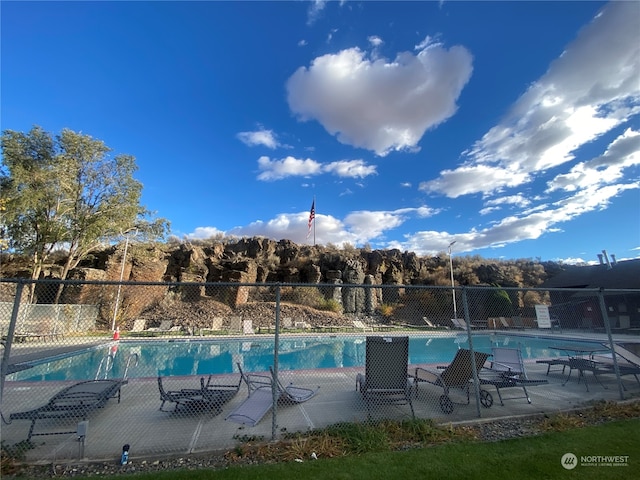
point(203, 357)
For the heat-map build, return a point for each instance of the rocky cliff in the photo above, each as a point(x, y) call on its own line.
point(260, 260)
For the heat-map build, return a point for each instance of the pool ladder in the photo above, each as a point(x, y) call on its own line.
point(107, 362)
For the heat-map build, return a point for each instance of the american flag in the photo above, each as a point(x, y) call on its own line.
point(312, 215)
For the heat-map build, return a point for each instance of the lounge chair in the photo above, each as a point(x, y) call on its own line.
point(247, 327)
point(507, 370)
point(181, 397)
point(517, 322)
point(426, 324)
point(461, 324)
point(218, 394)
point(75, 401)
point(287, 323)
point(385, 380)
point(552, 362)
point(628, 362)
point(360, 325)
point(165, 327)
point(263, 391)
point(458, 374)
point(216, 326)
point(235, 324)
point(586, 365)
point(429, 323)
point(139, 325)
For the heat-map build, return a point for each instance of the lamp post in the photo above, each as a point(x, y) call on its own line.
point(124, 258)
point(453, 287)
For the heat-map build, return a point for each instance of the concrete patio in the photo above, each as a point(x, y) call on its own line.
point(151, 433)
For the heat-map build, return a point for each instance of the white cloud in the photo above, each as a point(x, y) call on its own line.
point(623, 152)
point(470, 179)
point(375, 41)
point(205, 232)
point(315, 10)
point(516, 228)
point(350, 168)
point(292, 167)
point(357, 227)
point(518, 200)
point(377, 104)
point(287, 167)
point(590, 89)
point(260, 137)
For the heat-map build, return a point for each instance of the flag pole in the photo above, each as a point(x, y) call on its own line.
point(312, 220)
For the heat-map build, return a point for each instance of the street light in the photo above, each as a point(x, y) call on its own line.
point(453, 287)
point(124, 258)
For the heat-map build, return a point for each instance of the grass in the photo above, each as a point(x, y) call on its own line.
point(537, 457)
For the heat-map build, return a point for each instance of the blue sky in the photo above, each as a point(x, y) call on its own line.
point(511, 128)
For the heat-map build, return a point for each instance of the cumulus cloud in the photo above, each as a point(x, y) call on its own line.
point(378, 104)
point(293, 167)
point(287, 167)
point(356, 228)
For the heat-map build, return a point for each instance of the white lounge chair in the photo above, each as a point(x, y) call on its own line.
point(263, 391)
point(507, 370)
point(360, 325)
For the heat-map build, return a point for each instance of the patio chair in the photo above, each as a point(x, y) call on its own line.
point(181, 397)
point(360, 325)
point(247, 327)
point(385, 380)
point(216, 394)
point(430, 324)
point(628, 362)
point(75, 401)
point(287, 323)
point(263, 391)
point(165, 327)
point(458, 374)
point(215, 326)
point(461, 324)
point(517, 322)
point(139, 325)
point(235, 324)
point(507, 370)
point(551, 362)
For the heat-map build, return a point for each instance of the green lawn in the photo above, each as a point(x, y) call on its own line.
point(524, 458)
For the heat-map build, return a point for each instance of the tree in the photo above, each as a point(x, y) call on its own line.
point(69, 192)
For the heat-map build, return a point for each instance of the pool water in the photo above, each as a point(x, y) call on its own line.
point(204, 357)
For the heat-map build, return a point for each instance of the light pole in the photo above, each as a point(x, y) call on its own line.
point(453, 287)
point(124, 258)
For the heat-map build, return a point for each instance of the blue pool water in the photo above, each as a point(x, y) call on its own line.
point(191, 357)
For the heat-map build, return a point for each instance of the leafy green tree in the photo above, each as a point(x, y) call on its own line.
point(68, 192)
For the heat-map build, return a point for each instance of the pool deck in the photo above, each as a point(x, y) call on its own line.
point(154, 434)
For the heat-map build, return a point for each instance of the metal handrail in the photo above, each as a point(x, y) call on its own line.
point(109, 359)
point(126, 368)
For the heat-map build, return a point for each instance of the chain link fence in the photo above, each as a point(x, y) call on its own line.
point(181, 368)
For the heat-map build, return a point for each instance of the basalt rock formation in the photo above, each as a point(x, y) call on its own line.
point(260, 260)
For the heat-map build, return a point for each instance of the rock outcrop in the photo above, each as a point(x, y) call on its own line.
point(260, 260)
